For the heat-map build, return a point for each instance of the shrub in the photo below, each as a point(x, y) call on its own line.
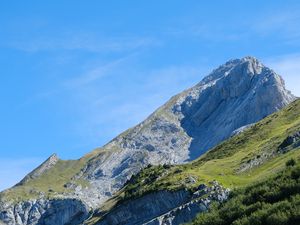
point(290, 162)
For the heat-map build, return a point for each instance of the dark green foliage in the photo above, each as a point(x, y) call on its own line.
point(291, 162)
point(273, 202)
point(136, 185)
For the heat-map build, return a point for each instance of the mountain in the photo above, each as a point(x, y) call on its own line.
point(251, 165)
point(237, 94)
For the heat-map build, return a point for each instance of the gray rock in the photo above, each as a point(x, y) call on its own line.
point(164, 207)
point(241, 129)
point(44, 212)
point(292, 140)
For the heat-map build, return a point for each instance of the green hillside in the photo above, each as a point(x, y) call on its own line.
point(260, 143)
point(273, 202)
point(51, 183)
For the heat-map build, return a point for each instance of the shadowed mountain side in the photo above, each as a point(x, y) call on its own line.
point(236, 94)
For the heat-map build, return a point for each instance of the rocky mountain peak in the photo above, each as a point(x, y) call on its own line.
point(247, 66)
point(236, 94)
point(45, 166)
point(53, 158)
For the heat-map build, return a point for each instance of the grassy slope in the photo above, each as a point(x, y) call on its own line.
point(50, 182)
point(53, 181)
point(222, 162)
point(275, 201)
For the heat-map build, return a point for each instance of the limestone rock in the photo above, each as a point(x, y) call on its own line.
point(44, 212)
point(165, 207)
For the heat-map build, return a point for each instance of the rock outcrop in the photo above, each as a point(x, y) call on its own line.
point(292, 140)
point(44, 212)
point(165, 207)
point(236, 94)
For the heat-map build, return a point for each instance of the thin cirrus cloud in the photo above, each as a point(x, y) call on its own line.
point(123, 90)
point(283, 24)
point(147, 91)
point(209, 34)
point(87, 42)
point(96, 72)
point(92, 74)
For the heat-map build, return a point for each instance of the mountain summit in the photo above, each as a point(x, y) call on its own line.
point(237, 94)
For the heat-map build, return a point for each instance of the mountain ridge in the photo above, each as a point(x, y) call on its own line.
point(236, 94)
point(46, 165)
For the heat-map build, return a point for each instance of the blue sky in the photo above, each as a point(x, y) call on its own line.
point(74, 74)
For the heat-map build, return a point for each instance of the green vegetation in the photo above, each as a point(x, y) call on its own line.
point(137, 184)
point(51, 182)
point(55, 180)
point(291, 162)
point(223, 163)
point(275, 201)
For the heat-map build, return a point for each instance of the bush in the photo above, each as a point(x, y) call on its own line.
point(290, 162)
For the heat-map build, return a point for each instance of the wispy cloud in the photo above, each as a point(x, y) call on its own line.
point(206, 32)
point(95, 73)
point(13, 170)
point(108, 98)
point(87, 42)
point(108, 114)
point(78, 82)
point(288, 66)
point(284, 23)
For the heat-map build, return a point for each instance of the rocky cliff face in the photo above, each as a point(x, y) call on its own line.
point(165, 207)
point(44, 212)
point(236, 94)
